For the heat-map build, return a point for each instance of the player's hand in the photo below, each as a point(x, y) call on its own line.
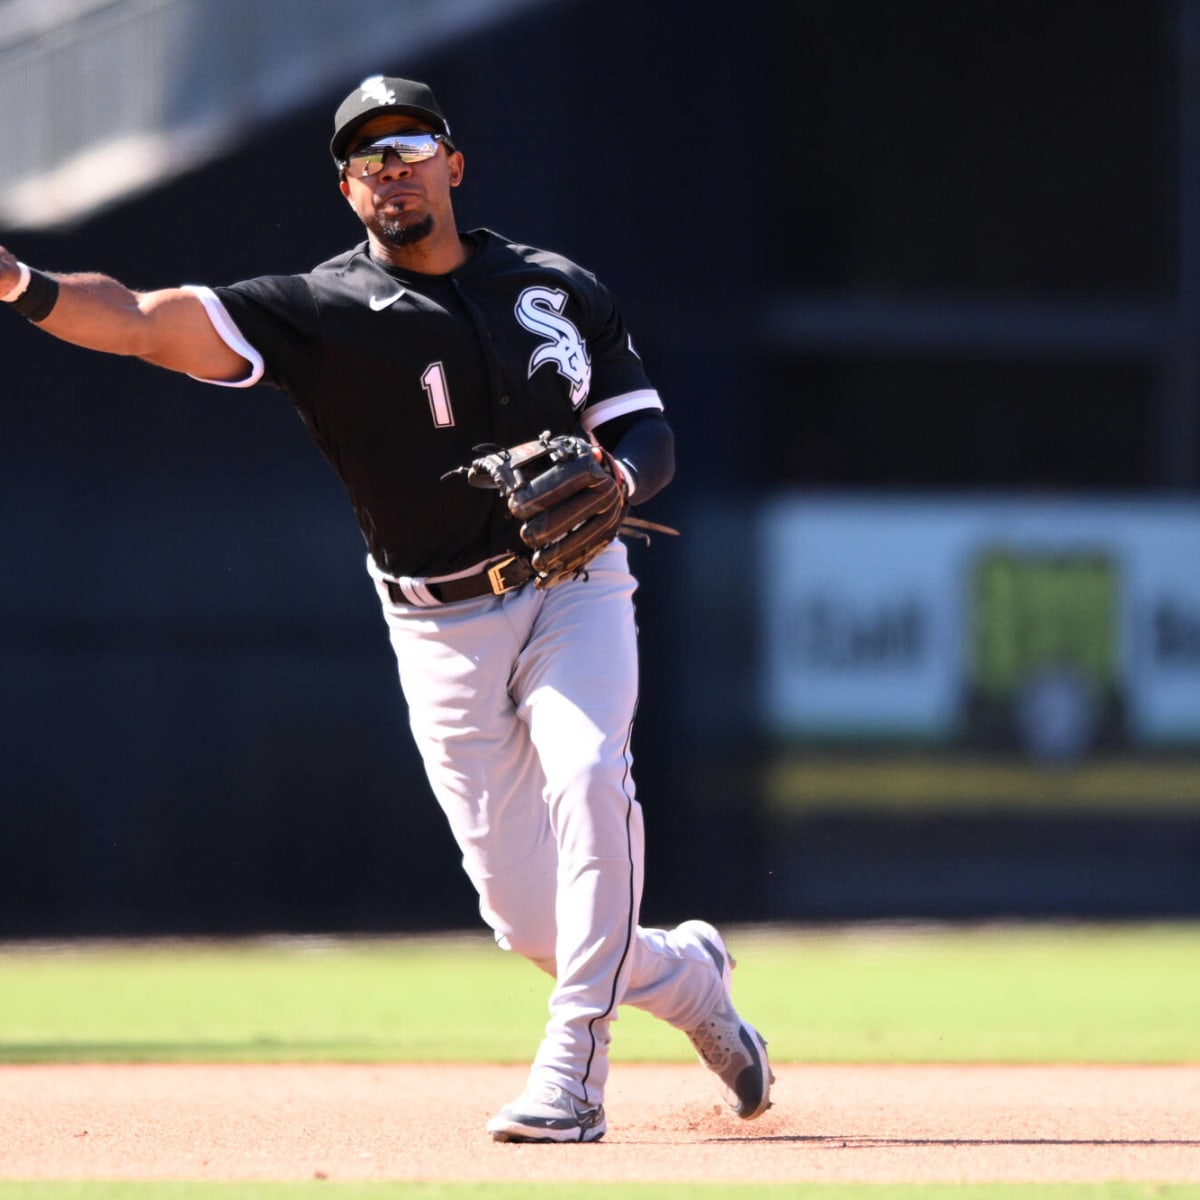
point(10, 272)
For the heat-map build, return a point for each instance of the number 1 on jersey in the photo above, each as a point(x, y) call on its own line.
point(434, 382)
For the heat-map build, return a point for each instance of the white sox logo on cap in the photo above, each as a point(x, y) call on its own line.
point(539, 310)
point(375, 89)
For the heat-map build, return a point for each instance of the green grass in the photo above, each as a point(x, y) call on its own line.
point(1122, 993)
point(1070, 993)
point(989, 994)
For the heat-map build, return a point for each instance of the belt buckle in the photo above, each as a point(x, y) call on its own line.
point(495, 575)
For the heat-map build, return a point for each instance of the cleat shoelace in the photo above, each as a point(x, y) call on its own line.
point(711, 1047)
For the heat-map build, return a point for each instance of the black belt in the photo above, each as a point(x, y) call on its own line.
point(500, 577)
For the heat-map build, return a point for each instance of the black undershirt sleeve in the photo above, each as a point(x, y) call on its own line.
point(645, 443)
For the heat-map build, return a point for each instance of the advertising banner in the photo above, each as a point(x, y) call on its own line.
point(1057, 626)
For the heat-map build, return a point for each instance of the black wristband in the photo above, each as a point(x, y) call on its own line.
point(37, 301)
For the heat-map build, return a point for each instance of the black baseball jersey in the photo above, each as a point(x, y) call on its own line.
point(400, 376)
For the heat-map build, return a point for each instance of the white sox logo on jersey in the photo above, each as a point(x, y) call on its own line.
point(539, 309)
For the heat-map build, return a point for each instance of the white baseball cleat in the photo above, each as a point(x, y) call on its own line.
point(731, 1049)
point(545, 1113)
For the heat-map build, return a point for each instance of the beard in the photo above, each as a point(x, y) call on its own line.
point(407, 235)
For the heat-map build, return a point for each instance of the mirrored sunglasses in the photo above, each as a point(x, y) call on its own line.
point(407, 147)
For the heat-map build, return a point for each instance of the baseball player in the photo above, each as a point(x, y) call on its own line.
point(403, 356)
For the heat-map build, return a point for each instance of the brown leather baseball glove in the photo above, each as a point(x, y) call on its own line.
point(569, 497)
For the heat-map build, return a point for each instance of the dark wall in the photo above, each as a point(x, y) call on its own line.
point(1010, 157)
point(202, 728)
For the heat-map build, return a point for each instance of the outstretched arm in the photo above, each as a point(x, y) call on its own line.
point(169, 328)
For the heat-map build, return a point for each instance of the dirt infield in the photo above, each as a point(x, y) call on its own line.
point(873, 1124)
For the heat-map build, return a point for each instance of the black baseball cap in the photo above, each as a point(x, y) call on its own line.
point(383, 94)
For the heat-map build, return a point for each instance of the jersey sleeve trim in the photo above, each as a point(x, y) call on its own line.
point(229, 333)
point(618, 406)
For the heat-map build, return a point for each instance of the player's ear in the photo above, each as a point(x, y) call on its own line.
point(454, 165)
point(344, 188)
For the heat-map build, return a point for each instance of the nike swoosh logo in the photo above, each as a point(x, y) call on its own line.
point(378, 305)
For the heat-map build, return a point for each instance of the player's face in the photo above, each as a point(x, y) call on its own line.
point(404, 203)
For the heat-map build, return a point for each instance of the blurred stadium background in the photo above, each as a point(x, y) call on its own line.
point(920, 284)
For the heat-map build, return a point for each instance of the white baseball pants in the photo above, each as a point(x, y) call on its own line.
point(522, 706)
